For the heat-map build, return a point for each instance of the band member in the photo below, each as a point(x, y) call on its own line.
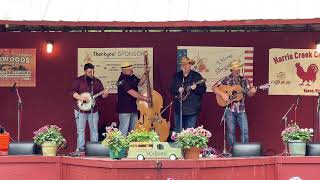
point(235, 112)
point(127, 96)
point(91, 84)
point(191, 106)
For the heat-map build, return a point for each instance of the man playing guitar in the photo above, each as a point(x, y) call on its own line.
point(235, 112)
point(187, 80)
point(86, 83)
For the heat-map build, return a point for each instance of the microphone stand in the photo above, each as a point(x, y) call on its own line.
point(295, 109)
point(19, 112)
point(91, 110)
point(285, 119)
point(318, 118)
point(181, 103)
point(224, 153)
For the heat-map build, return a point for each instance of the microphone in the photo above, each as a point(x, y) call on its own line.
point(182, 85)
point(13, 87)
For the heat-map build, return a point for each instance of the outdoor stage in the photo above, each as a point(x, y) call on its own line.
point(83, 168)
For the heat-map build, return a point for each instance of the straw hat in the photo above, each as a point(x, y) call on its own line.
point(126, 65)
point(235, 65)
point(186, 60)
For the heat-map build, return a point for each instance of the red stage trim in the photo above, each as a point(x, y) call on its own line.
point(167, 23)
point(61, 168)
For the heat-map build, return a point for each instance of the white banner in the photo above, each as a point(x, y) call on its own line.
point(107, 62)
point(213, 62)
point(294, 72)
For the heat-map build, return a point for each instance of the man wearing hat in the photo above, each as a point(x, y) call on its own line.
point(91, 84)
point(235, 112)
point(192, 105)
point(127, 96)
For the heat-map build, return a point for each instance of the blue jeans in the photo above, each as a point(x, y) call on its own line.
point(188, 121)
point(231, 119)
point(127, 122)
point(81, 120)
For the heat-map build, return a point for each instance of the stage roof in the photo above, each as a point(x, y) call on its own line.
point(158, 13)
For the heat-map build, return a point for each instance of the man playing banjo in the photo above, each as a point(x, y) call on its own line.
point(85, 84)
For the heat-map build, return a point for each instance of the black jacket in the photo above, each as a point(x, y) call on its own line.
point(192, 104)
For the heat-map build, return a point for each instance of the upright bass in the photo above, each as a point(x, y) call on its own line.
point(150, 116)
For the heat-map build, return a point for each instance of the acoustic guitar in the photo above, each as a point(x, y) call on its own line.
point(235, 93)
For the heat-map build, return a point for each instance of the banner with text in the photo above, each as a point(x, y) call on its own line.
point(213, 62)
point(18, 66)
point(294, 72)
point(107, 62)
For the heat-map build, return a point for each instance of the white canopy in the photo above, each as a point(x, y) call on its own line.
point(156, 10)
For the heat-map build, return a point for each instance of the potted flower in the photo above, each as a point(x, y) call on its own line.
point(116, 142)
point(296, 138)
point(49, 138)
point(191, 140)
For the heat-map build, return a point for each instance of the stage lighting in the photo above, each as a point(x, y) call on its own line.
point(49, 47)
point(318, 46)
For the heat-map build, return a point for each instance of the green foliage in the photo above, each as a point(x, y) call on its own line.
point(115, 140)
point(192, 137)
point(49, 133)
point(294, 132)
point(141, 135)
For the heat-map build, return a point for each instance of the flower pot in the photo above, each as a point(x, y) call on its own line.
point(297, 148)
point(192, 153)
point(118, 156)
point(49, 148)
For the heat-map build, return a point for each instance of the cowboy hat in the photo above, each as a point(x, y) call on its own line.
point(235, 65)
point(186, 60)
point(126, 65)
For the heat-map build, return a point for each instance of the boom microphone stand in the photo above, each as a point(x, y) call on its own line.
point(318, 119)
point(285, 119)
point(19, 102)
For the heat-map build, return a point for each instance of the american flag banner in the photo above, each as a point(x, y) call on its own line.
point(213, 62)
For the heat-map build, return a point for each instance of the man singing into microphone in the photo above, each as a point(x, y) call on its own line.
point(86, 83)
point(191, 106)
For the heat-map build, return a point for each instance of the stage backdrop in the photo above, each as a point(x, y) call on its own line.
point(213, 62)
point(108, 61)
point(18, 66)
point(294, 72)
point(50, 101)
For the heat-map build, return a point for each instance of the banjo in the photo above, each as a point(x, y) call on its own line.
point(87, 105)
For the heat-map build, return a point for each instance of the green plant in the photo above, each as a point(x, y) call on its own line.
point(294, 132)
point(141, 135)
point(114, 140)
point(49, 133)
point(192, 137)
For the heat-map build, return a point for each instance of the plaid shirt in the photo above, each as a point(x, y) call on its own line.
point(236, 106)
